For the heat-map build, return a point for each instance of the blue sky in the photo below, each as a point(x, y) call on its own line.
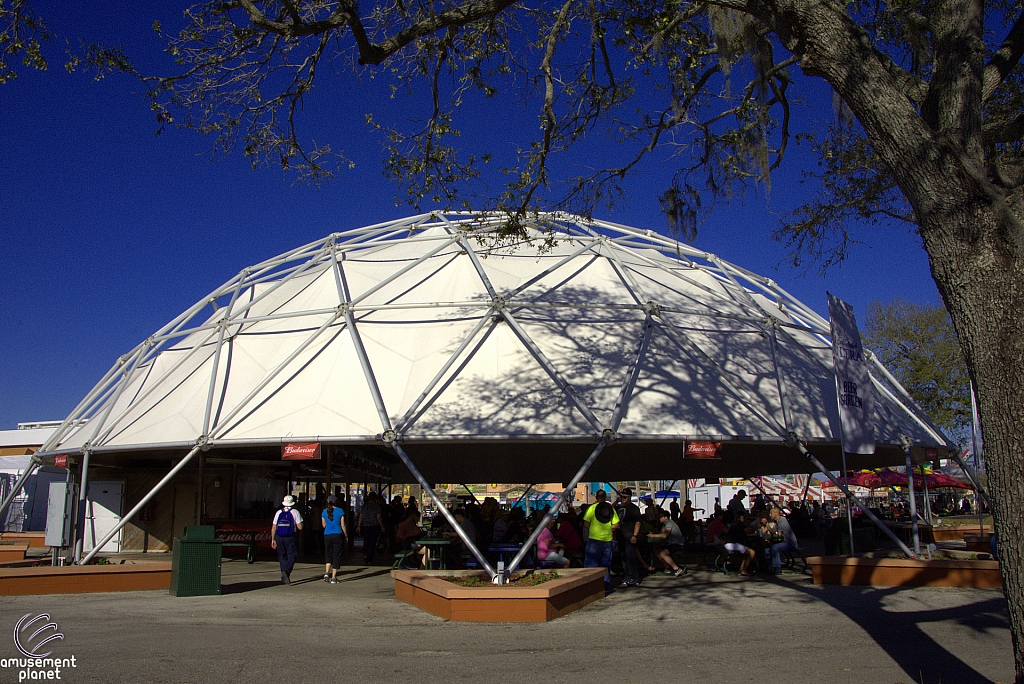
point(109, 231)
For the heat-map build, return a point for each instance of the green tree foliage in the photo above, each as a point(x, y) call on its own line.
point(712, 80)
point(929, 124)
point(22, 34)
point(918, 345)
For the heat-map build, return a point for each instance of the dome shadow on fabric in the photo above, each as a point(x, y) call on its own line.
point(488, 354)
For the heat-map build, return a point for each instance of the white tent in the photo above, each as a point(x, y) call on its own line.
point(452, 337)
point(468, 348)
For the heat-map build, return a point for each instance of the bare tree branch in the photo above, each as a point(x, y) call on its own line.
point(1004, 131)
point(1004, 60)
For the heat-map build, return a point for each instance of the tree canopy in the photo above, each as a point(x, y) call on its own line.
point(927, 128)
point(714, 82)
point(918, 345)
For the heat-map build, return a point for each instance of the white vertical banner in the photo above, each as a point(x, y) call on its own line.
point(853, 381)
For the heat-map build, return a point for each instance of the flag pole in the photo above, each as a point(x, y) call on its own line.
point(976, 448)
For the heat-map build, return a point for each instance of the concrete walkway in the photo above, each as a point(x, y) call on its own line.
point(704, 628)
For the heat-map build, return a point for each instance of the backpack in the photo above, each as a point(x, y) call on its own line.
point(285, 525)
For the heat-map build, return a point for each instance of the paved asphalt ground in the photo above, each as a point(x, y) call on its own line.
point(703, 627)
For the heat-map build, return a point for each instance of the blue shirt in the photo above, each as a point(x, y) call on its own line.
point(333, 526)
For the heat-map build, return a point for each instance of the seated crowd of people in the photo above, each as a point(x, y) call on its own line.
point(641, 541)
point(765, 527)
point(487, 524)
point(655, 541)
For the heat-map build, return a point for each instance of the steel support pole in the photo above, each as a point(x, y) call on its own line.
point(867, 511)
point(330, 465)
point(522, 496)
point(83, 493)
point(466, 487)
point(762, 490)
point(849, 506)
point(893, 489)
point(976, 450)
point(201, 489)
point(608, 437)
point(33, 464)
point(977, 498)
point(915, 533)
point(974, 480)
point(444, 510)
point(927, 502)
point(233, 494)
point(142, 503)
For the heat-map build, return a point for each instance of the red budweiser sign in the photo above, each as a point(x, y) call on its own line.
point(60, 461)
point(301, 452)
point(703, 450)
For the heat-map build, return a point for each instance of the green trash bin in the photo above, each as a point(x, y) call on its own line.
point(195, 562)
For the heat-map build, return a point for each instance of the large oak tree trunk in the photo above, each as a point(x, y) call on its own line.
point(982, 282)
point(971, 225)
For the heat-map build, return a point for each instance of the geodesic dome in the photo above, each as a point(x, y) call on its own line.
point(487, 353)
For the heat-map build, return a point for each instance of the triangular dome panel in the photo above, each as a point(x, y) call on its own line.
point(558, 300)
point(501, 391)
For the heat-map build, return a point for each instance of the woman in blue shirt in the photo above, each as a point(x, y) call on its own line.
point(335, 529)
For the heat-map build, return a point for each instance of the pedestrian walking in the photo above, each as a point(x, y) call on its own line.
point(283, 537)
point(335, 531)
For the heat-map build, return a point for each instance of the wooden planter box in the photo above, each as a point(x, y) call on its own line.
point(13, 551)
point(980, 543)
point(947, 533)
point(929, 533)
point(572, 590)
point(905, 572)
point(36, 540)
point(75, 579)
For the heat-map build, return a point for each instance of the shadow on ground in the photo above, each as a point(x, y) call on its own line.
point(235, 584)
point(885, 614)
point(902, 636)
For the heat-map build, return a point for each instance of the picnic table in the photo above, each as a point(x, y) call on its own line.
point(435, 551)
point(503, 550)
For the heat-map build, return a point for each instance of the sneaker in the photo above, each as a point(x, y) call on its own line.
point(667, 571)
point(334, 580)
point(285, 578)
point(327, 578)
point(678, 572)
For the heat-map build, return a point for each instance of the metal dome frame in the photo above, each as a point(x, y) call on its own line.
point(120, 412)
